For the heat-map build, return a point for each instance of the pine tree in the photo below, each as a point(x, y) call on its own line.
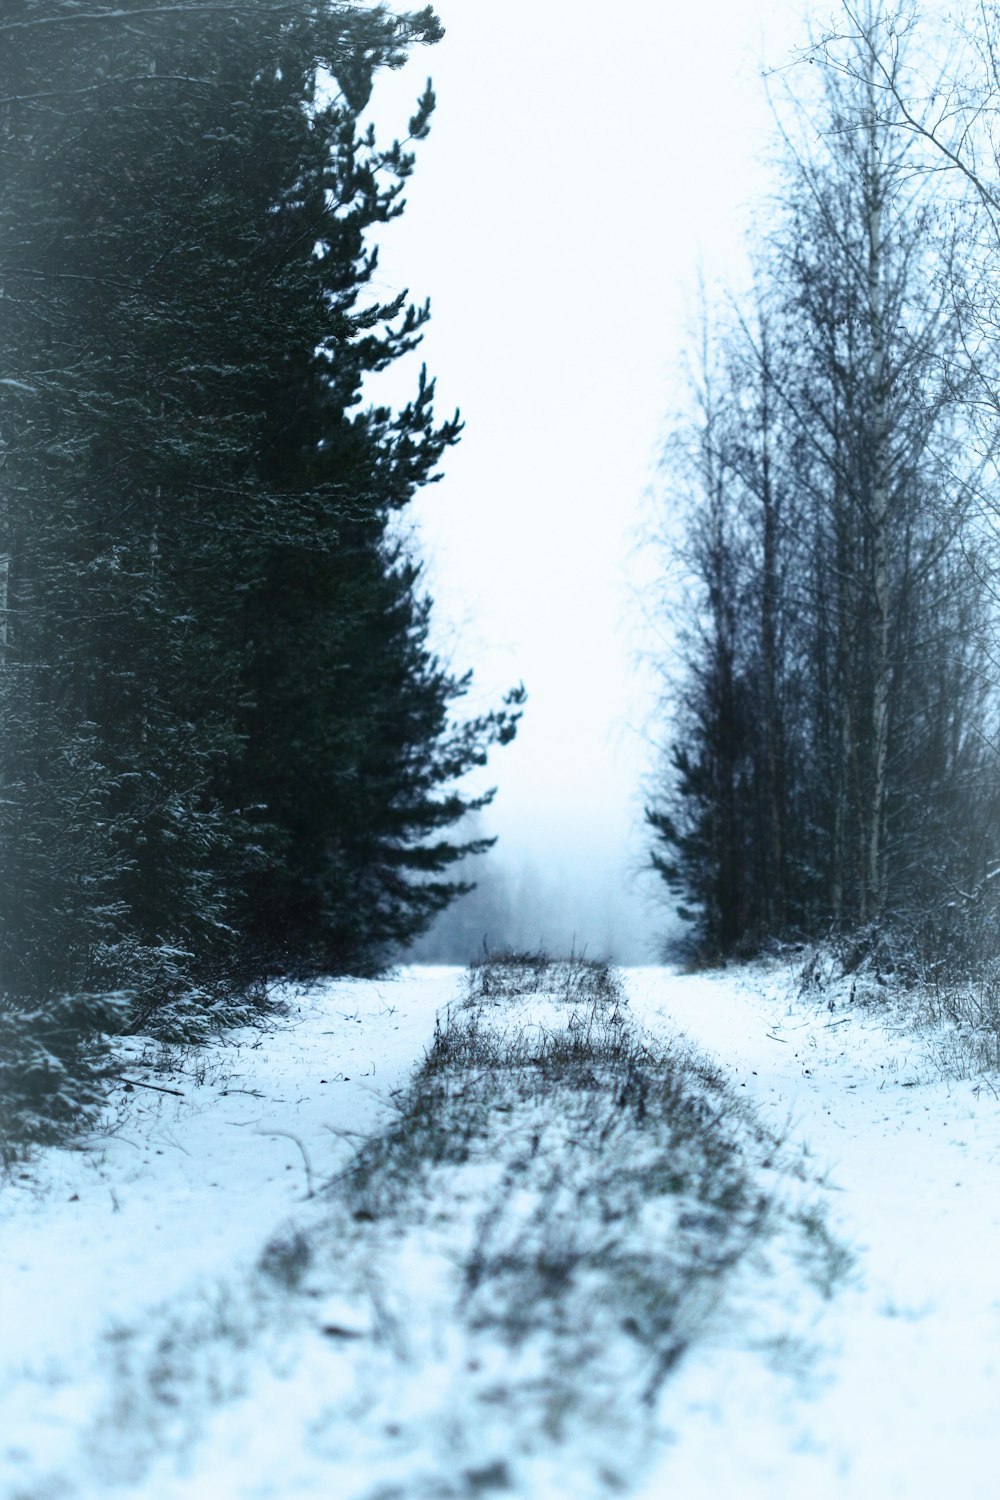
point(226, 748)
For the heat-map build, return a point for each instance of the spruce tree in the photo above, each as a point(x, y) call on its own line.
point(226, 749)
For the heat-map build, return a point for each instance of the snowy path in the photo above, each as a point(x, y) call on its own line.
point(902, 1394)
point(189, 1189)
point(890, 1389)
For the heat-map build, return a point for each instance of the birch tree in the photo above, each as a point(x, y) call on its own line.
point(853, 486)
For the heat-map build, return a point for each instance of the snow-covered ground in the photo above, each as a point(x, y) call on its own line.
point(886, 1387)
point(895, 1389)
point(185, 1188)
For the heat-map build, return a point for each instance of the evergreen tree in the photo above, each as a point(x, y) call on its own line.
point(226, 748)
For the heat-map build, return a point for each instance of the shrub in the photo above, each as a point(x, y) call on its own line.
point(53, 1060)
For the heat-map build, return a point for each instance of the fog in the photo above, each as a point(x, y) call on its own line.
point(580, 173)
point(547, 902)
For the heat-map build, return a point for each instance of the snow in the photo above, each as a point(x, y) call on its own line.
point(361, 1387)
point(185, 1189)
point(901, 1396)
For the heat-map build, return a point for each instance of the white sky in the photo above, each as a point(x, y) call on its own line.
point(580, 164)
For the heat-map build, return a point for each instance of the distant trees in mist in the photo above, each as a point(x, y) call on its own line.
point(586, 903)
point(833, 755)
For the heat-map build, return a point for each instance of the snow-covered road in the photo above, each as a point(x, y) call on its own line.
point(889, 1389)
point(186, 1187)
point(895, 1389)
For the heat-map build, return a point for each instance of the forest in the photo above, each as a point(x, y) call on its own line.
point(831, 765)
point(320, 1172)
point(229, 754)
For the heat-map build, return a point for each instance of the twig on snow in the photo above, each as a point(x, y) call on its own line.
point(136, 1083)
point(310, 1190)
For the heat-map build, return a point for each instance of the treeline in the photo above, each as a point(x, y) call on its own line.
point(834, 763)
point(228, 753)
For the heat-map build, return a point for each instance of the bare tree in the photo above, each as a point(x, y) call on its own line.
point(841, 463)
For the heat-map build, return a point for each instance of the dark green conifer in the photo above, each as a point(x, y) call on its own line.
point(226, 748)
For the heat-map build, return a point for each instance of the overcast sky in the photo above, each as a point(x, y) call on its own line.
point(582, 164)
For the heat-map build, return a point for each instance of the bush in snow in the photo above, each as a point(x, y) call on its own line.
point(53, 1059)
